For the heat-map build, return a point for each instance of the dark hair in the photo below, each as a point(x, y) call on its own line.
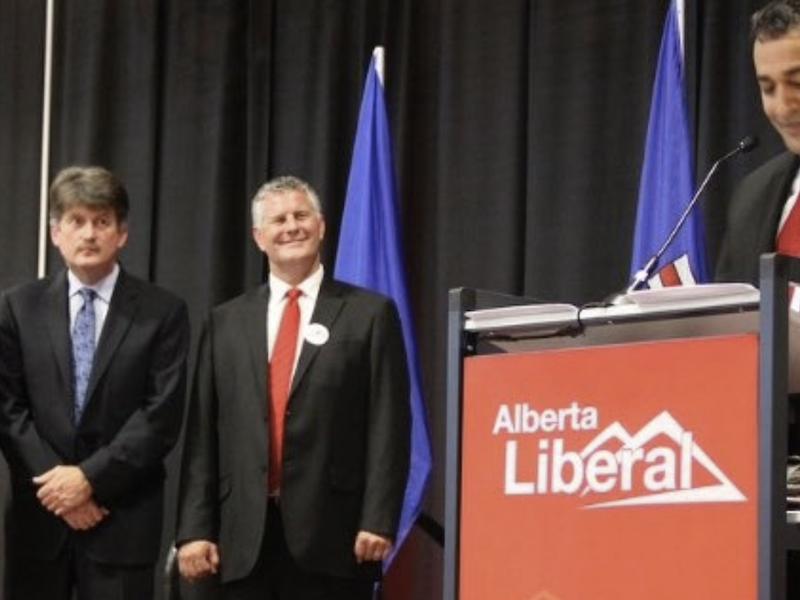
point(94, 187)
point(775, 20)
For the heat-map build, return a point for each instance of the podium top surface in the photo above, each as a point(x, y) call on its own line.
point(637, 306)
point(670, 313)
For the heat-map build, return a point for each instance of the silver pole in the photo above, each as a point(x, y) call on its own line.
point(45, 157)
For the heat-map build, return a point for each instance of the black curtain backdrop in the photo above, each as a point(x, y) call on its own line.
point(518, 129)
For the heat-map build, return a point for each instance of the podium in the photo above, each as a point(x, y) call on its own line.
point(626, 452)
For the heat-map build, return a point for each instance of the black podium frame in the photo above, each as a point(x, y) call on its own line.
point(775, 536)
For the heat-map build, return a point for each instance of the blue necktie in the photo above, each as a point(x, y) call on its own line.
point(83, 339)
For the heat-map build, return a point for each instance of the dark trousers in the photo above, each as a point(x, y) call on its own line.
point(73, 576)
point(277, 576)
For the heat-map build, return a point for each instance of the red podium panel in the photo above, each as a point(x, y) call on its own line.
point(619, 472)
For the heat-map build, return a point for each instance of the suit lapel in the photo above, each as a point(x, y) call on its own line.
point(125, 303)
point(772, 203)
point(329, 305)
point(254, 332)
point(56, 315)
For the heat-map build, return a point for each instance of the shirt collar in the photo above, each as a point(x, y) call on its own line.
point(309, 286)
point(103, 288)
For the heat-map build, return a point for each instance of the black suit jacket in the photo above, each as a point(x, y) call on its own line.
point(753, 219)
point(346, 441)
point(132, 418)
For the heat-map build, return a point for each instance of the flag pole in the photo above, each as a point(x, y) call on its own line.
point(379, 55)
point(44, 165)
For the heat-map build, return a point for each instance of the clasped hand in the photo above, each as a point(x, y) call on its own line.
point(65, 492)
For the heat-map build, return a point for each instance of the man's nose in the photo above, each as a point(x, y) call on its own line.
point(786, 101)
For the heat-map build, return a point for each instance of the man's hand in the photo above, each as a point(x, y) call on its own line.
point(62, 489)
point(198, 559)
point(371, 547)
point(85, 516)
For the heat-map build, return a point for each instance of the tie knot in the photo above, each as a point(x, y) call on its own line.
point(293, 294)
point(87, 294)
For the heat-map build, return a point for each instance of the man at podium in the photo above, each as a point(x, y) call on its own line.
point(762, 217)
point(764, 214)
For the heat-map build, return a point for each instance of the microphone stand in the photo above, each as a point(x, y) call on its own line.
point(641, 276)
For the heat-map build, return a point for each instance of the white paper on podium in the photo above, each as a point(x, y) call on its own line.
point(512, 316)
point(694, 296)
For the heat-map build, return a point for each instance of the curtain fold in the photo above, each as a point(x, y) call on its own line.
point(22, 43)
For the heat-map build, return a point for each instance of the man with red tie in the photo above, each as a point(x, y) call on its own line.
point(764, 214)
point(298, 435)
point(761, 218)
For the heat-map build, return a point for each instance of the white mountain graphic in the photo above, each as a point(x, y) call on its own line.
point(664, 424)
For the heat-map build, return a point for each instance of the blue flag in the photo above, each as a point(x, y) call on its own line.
point(667, 181)
point(369, 255)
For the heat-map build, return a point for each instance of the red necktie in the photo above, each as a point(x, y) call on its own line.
point(280, 377)
point(788, 240)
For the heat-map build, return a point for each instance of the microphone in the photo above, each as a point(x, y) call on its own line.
point(646, 272)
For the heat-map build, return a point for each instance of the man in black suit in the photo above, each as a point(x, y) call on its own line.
point(323, 528)
point(86, 451)
point(763, 202)
point(764, 199)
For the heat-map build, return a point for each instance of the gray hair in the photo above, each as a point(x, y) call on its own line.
point(282, 185)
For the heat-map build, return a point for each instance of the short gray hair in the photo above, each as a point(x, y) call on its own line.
point(282, 185)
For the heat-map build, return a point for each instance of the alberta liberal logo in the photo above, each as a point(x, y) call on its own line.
point(662, 463)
